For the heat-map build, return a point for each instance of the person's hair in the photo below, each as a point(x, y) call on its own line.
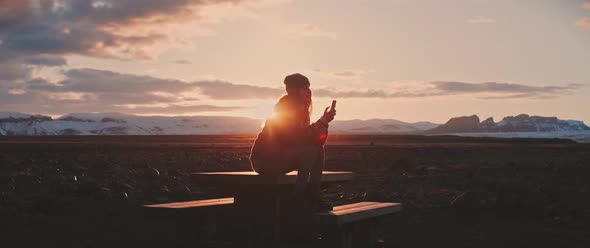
point(295, 81)
point(292, 104)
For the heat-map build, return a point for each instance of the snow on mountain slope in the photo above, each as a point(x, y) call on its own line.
point(526, 123)
point(15, 115)
point(578, 136)
point(113, 124)
point(519, 123)
point(122, 124)
point(523, 126)
point(125, 124)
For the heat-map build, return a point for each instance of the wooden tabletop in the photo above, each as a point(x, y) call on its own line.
point(251, 177)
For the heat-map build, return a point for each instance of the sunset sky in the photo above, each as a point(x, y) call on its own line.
point(411, 60)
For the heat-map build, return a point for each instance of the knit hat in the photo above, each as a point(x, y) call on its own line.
point(296, 80)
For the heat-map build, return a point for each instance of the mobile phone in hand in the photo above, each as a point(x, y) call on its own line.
point(333, 105)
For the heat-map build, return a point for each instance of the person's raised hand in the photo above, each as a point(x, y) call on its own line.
point(329, 114)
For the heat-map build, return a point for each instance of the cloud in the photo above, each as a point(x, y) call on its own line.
point(43, 32)
point(36, 102)
point(91, 80)
point(312, 30)
point(182, 61)
point(110, 86)
point(221, 90)
point(94, 94)
point(487, 90)
point(104, 28)
point(11, 71)
point(481, 20)
point(117, 88)
point(445, 87)
point(107, 87)
point(586, 5)
point(177, 108)
point(584, 23)
point(45, 60)
point(90, 90)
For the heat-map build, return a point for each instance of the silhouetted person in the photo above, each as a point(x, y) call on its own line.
point(290, 142)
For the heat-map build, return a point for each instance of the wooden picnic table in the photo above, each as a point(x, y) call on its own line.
point(260, 201)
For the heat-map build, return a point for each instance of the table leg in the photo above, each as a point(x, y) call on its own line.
point(259, 215)
point(277, 220)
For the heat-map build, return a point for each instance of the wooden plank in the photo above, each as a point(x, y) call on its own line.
point(353, 205)
point(194, 204)
point(197, 202)
point(357, 213)
point(251, 178)
point(366, 208)
point(369, 211)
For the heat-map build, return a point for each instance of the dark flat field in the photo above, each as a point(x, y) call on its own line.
point(77, 191)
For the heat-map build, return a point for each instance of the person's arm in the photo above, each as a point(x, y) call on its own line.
point(318, 131)
point(321, 125)
point(289, 132)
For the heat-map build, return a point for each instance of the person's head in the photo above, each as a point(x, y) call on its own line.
point(298, 98)
point(298, 85)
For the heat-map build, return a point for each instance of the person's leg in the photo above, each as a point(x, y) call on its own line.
point(306, 160)
point(316, 172)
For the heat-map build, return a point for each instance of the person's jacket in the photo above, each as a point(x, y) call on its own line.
point(285, 130)
point(289, 128)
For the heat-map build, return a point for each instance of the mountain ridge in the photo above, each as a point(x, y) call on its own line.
point(12, 123)
point(518, 123)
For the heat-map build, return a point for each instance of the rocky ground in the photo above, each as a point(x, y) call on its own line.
point(457, 192)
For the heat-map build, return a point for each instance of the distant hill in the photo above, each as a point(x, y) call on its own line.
point(379, 126)
point(124, 124)
point(523, 125)
point(12, 123)
point(519, 123)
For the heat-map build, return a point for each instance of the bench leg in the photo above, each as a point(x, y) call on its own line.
point(260, 225)
point(339, 237)
point(355, 235)
point(365, 234)
point(191, 229)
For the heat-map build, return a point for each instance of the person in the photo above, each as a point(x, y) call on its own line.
point(297, 144)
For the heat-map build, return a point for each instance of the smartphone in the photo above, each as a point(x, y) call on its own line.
point(333, 105)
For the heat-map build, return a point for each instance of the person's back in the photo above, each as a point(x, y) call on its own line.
point(283, 134)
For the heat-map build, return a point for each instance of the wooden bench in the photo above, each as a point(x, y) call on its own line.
point(194, 220)
point(257, 212)
point(260, 201)
point(354, 225)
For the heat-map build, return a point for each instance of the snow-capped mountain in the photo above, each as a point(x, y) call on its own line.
point(125, 124)
point(578, 136)
point(520, 126)
point(520, 123)
point(525, 123)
